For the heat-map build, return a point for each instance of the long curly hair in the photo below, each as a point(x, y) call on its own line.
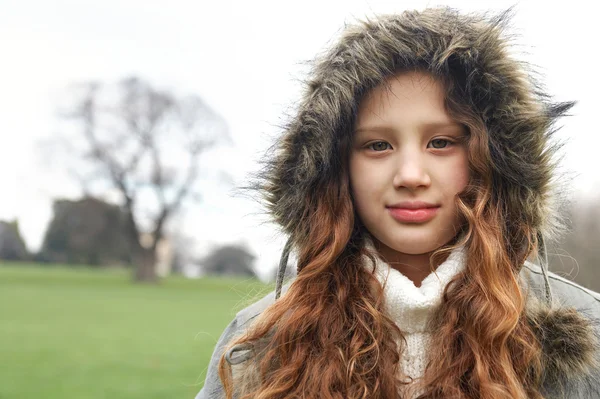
point(329, 336)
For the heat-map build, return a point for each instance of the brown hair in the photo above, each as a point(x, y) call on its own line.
point(329, 336)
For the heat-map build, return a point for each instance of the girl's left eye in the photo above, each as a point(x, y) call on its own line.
point(378, 146)
point(439, 143)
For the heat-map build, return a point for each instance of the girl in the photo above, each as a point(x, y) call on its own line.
point(415, 183)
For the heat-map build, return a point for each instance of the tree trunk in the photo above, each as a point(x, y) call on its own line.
point(145, 266)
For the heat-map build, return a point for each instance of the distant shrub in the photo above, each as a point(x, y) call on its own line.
point(86, 231)
point(12, 245)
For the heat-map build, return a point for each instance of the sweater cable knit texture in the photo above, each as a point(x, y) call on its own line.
point(411, 307)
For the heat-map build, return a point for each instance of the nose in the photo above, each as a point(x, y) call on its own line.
point(411, 171)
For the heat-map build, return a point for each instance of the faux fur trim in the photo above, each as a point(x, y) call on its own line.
point(570, 348)
point(470, 49)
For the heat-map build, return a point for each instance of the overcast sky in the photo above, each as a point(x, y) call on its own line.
point(244, 59)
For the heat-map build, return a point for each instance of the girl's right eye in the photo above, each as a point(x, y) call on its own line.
point(378, 146)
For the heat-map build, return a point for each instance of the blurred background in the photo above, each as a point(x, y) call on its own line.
point(128, 127)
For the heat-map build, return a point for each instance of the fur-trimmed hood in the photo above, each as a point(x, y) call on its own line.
point(470, 49)
point(473, 51)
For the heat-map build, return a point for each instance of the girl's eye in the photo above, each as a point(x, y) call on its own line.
point(439, 143)
point(379, 146)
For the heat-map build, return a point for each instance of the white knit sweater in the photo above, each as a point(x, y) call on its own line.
point(411, 307)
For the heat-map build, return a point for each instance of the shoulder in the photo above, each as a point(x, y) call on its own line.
point(244, 318)
point(567, 292)
point(213, 389)
point(246, 315)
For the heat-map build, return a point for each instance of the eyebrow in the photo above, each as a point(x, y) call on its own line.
point(424, 126)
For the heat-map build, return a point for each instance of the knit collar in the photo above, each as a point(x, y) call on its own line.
point(410, 306)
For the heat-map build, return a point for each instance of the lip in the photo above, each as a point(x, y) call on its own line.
point(413, 205)
point(413, 212)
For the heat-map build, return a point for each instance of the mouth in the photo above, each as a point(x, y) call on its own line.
point(413, 215)
point(413, 205)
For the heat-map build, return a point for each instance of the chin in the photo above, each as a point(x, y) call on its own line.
point(412, 247)
point(415, 250)
point(416, 244)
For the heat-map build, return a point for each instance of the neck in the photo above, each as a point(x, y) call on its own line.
point(414, 266)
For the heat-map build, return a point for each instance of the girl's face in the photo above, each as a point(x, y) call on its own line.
point(408, 153)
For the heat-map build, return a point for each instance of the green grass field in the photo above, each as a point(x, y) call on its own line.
point(84, 333)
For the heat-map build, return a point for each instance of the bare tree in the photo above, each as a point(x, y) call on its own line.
point(144, 145)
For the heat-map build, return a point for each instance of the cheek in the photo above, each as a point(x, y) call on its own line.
point(364, 178)
point(364, 185)
point(459, 174)
point(360, 189)
point(357, 176)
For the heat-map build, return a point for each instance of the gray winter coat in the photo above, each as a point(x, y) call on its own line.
point(471, 51)
point(568, 360)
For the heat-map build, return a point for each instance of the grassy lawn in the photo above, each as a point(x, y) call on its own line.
point(84, 333)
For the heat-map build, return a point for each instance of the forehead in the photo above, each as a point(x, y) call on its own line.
point(405, 99)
